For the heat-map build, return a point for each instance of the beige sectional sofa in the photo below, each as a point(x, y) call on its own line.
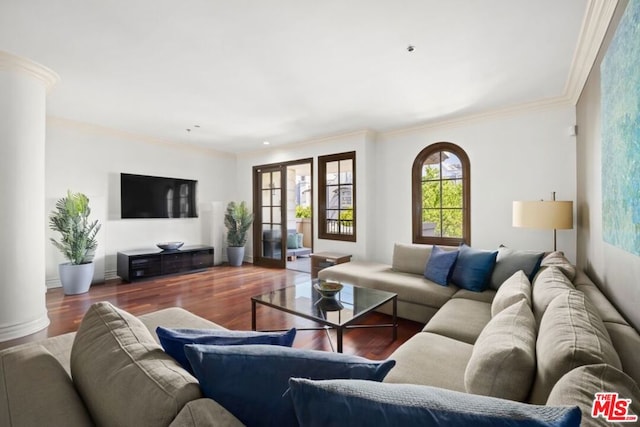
point(555, 341)
point(530, 342)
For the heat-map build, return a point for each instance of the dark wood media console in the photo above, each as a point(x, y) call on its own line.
point(145, 263)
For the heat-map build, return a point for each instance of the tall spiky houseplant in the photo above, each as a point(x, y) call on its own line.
point(77, 241)
point(237, 219)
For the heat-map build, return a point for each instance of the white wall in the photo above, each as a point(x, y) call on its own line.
point(517, 156)
point(89, 159)
point(613, 269)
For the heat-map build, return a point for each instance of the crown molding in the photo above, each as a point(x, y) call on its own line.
point(544, 104)
point(594, 28)
point(116, 133)
point(9, 61)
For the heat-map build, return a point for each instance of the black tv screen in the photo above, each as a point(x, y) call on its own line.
point(144, 196)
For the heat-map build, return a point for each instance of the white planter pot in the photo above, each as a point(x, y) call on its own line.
point(235, 255)
point(76, 279)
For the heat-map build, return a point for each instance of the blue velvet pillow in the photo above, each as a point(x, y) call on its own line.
point(251, 381)
point(473, 268)
point(366, 403)
point(174, 340)
point(299, 238)
point(440, 265)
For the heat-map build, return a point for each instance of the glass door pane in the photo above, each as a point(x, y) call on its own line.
point(268, 196)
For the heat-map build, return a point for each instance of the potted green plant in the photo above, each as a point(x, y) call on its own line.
point(77, 241)
point(237, 219)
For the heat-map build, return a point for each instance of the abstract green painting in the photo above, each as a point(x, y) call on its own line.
point(620, 85)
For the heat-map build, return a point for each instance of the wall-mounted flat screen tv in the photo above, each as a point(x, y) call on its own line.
point(144, 196)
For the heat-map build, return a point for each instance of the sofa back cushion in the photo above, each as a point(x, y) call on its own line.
point(35, 390)
point(410, 258)
point(571, 335)
point(515, 289)
point(558, 260)
point(579, 386)
point(503, 360)
point(123, 375)
point(547, 285)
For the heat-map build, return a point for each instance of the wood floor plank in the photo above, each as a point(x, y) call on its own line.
point(221, 294)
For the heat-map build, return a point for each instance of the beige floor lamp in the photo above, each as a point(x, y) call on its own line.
point(544, 214)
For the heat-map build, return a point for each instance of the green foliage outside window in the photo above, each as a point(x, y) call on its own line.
point(442, 199)
point(303, 211)
point(346, 217)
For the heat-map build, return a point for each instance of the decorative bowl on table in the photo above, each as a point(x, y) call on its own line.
point(327, 289)
point(170, 246)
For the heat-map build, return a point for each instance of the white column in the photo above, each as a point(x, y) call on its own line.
point(23, 89)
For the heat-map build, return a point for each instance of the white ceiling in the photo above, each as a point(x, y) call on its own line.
point(287, 71)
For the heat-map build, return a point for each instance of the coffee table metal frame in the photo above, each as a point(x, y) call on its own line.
point(338, 326)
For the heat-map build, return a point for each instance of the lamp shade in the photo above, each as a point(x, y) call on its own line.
point(548, 215)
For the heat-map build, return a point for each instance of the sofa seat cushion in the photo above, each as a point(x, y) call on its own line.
point(460, 319)
point(484, 296)
point(411, 288)
point(35, 390)
point(431, 359)
point(548, 284)
point(571, 335)
point(626, 341)
point(123, 375)
point(579, 386)
point(354, 272)
point(503, 361)
point(365, 403)
point(515, 289)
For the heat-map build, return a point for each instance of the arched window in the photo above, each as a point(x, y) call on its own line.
point(440, 196)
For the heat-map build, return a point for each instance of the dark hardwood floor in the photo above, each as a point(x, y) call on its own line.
point(221, 294)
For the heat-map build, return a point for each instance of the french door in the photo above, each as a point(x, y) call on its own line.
point(269, 232)
point(277, 190)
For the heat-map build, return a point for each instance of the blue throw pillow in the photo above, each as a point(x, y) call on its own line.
point(440, 265)
point(366, 403)
point(252, 381)
point(292, 241)
point(174, 340)
point(473, 268)
point(300, 238)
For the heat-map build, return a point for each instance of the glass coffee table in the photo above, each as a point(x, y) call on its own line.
point(340, 312)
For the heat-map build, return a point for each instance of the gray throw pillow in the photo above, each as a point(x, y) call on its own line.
point(511, 260)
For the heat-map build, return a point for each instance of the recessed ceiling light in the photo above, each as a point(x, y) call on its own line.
point(196, 126)
point(266, 142)
point(411, 48)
